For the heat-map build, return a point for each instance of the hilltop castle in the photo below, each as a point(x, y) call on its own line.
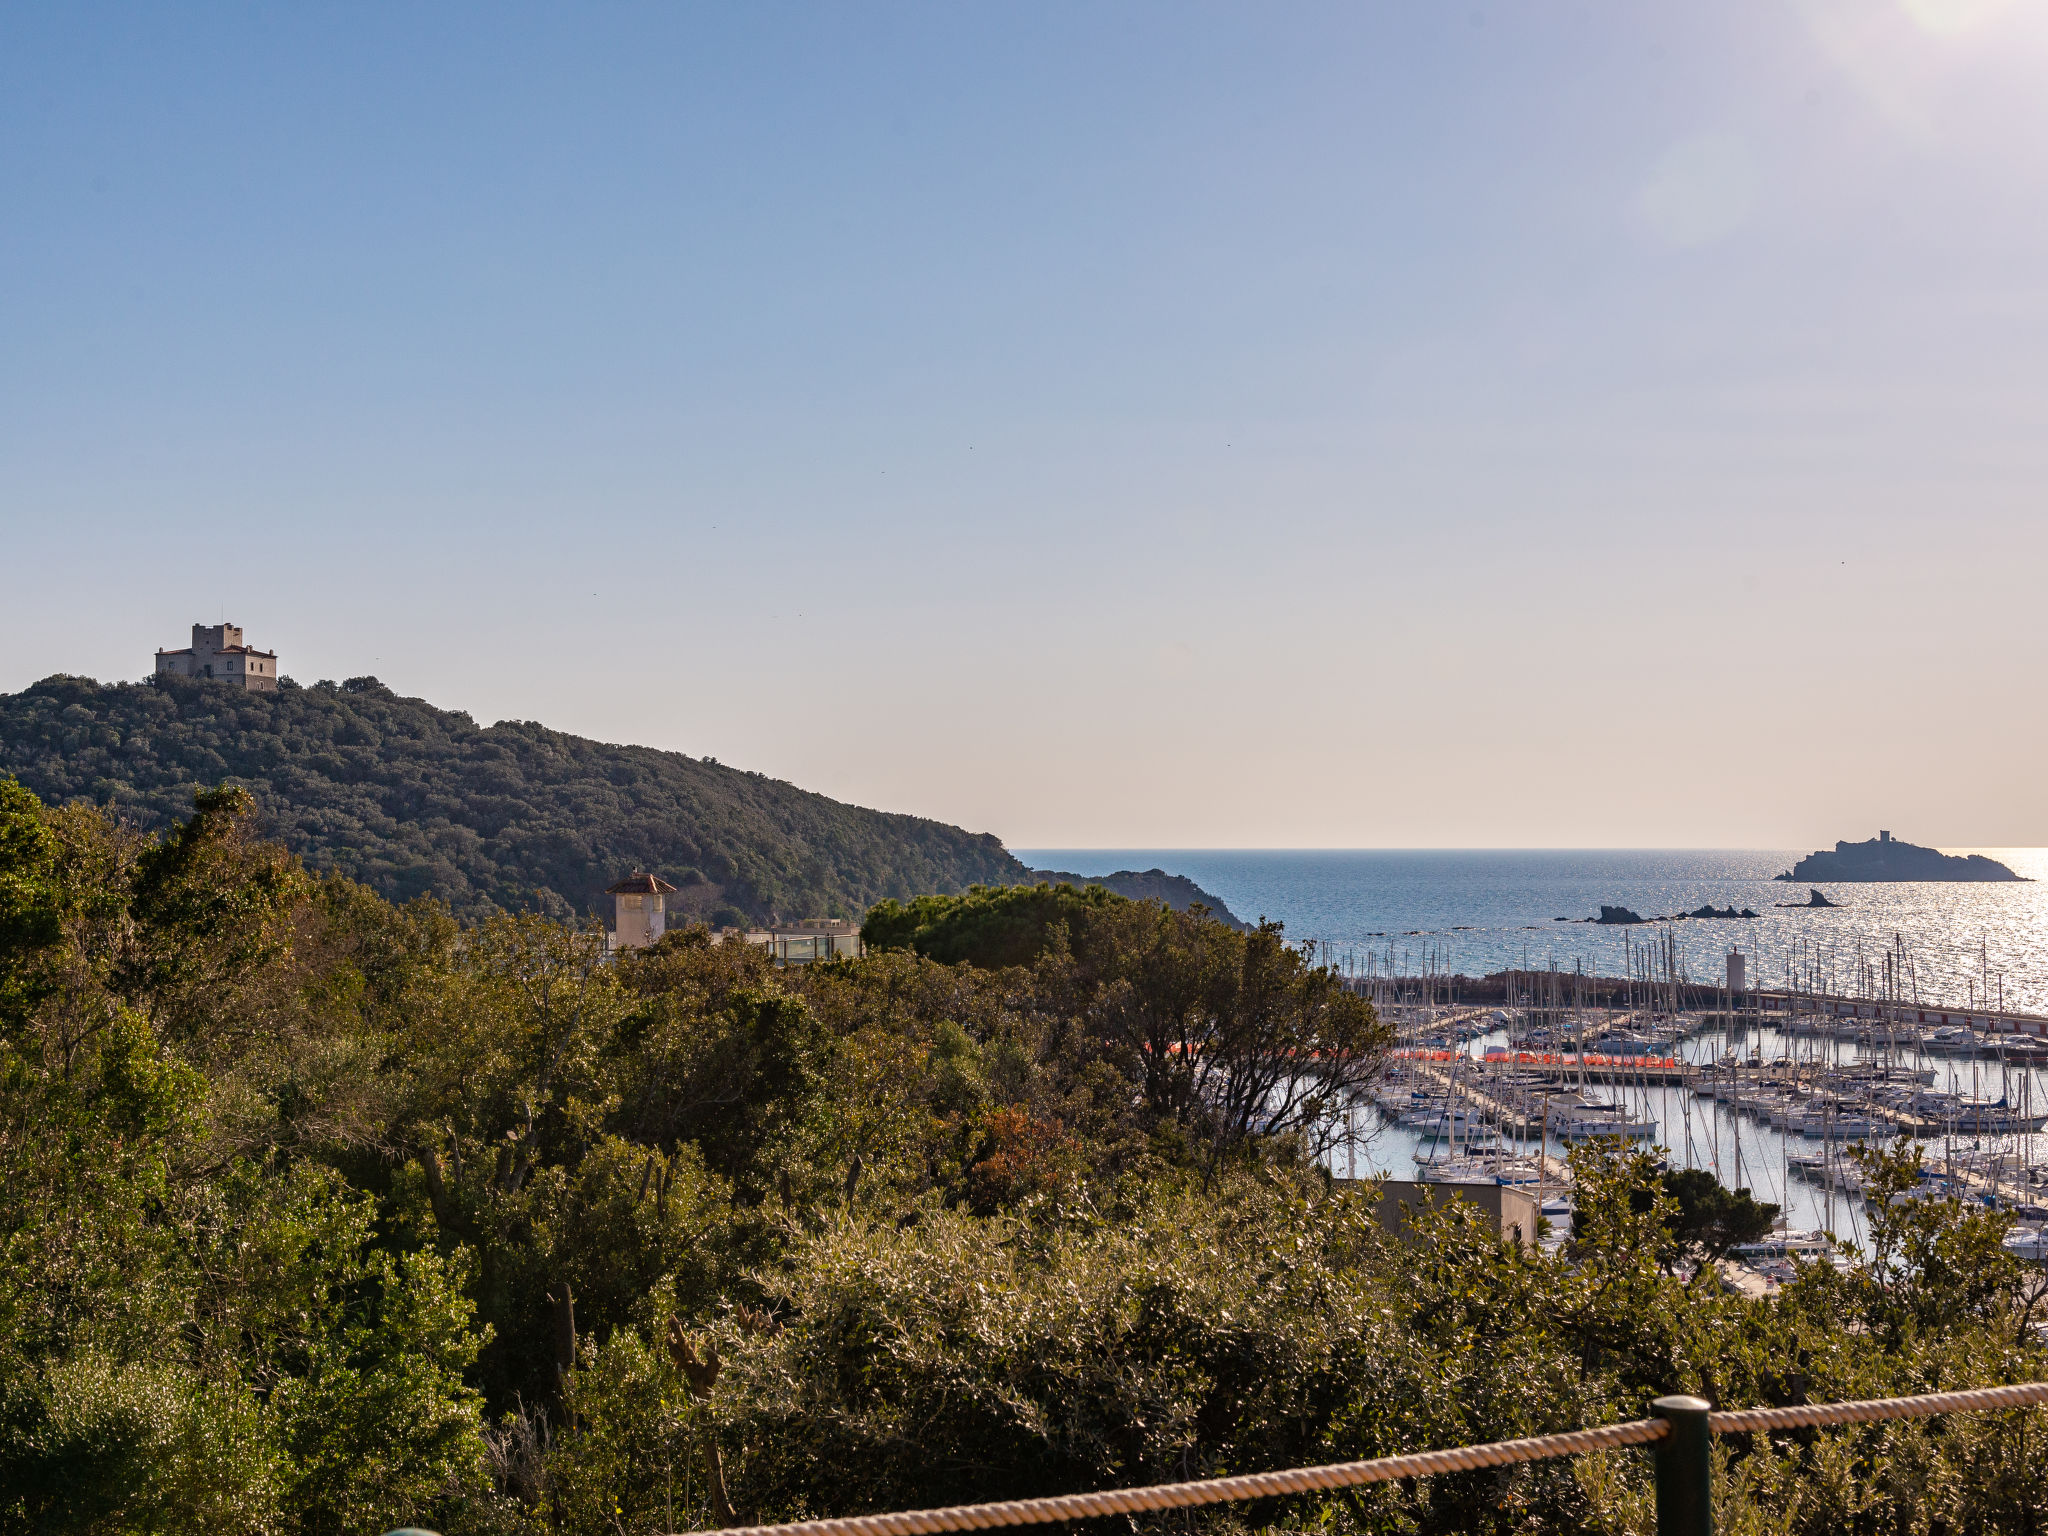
point(217, 652)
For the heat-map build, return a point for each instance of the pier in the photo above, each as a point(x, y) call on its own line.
point(1569, 1057)
point(1565, 1066)
point(1540, 997)
point(1552, 1168)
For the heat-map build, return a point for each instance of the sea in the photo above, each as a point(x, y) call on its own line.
point(1477, 911)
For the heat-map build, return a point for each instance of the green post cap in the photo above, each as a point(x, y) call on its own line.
point(1678, 1402)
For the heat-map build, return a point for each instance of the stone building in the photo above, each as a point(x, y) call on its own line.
point(217, 652)
point(640, 916)
point(640, 910)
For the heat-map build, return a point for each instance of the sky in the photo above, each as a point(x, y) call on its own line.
point(1126, 425)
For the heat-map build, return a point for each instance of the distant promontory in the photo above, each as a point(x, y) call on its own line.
point(1884, 857)
point(1177, 891)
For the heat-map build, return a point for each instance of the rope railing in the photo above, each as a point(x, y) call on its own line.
point(1220, 1490)
point(1870, 1410)
point(1679, 1432)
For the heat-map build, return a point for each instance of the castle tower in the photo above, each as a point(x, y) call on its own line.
point(217, 652)
point(640, 913)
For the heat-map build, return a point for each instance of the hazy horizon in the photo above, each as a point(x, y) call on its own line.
point(1174, 426)
point(1504, 848)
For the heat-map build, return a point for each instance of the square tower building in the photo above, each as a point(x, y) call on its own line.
point(217, 652)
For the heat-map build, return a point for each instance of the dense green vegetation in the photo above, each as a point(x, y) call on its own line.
point(323, 1215)
point(416, 801)
point(988, 926)
point(1708, 1218)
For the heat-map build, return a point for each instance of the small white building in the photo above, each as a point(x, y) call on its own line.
point(815, 938)
point(640, 916)
point(640, 911)
point(217, 652)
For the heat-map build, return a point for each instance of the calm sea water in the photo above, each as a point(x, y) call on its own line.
point(1477, 911)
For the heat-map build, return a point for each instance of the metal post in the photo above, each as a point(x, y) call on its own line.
point(1684, 1460)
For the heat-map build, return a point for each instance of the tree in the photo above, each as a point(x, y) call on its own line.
point(209, 907)
point(1234, 1036)
point(1704, 1217)
point(31, 910)
point(1231, 1036)
point(988, 926)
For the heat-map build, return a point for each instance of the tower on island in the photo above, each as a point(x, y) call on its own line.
point(640, 915)
point(217, 652)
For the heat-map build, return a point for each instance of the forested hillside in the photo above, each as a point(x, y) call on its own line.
point(412, 800)
point(322, 1216)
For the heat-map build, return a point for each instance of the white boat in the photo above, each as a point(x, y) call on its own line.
point(1786, 1243)
point(1454, 1170)
point(2029, 1243)
point(1841, 1127)
point(1999, 1119)
point(1470, 1141)
point(1586, 1127)
point(1435, 1115)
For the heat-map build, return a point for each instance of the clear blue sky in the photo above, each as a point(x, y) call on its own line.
point(1115, 424)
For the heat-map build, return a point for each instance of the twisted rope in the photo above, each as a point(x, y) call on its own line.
point(1873, 1409)
point(1387, 1469)
point(1219, 1490)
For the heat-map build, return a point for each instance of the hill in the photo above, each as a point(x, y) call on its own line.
point(1884, 857)
point(413, 800)
point(1177, 891)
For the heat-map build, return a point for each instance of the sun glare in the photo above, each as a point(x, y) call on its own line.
point(1952, 18)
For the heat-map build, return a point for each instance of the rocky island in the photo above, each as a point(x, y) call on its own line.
point(1813, 899)
point(1612, 916)
point(1884, 857)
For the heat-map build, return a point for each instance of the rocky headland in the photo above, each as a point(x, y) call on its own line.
point(1177, 891)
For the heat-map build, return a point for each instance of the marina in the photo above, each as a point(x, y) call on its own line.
point(1748, 1031)
point(1495, 1079)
